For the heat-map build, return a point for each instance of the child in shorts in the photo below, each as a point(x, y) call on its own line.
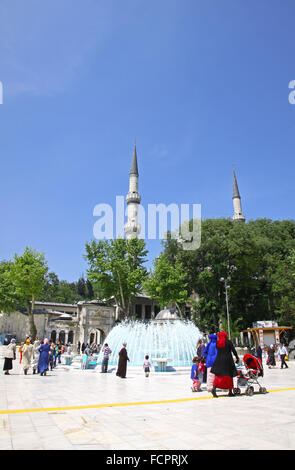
point(196, 387)
point(84, 361)
point(147, 366)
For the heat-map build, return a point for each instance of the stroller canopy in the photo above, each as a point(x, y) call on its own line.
point(252, 362)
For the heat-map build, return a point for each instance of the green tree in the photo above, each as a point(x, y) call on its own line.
point(63, 291)
point(81, 287)
point(235, 326)
point(167, 283)
point(283, 287)
point(247, 256)
point(67, 293)
point(89, 290)
point(27, 275)
point(116, 269)
point(9, 301)
point(50, 289)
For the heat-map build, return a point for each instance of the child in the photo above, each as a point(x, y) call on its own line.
point(194, 375)
point(201, 369)
point(84, 361)
point(146, 366)
point(20, 350)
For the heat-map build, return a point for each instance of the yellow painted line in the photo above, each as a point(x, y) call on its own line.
point(281, 390)
point(104, 405)
point(111, 405)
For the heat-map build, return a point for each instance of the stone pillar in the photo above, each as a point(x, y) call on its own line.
point(249, 338)
point(153, 309)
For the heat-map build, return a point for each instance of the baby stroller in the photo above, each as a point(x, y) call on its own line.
point(249, 378)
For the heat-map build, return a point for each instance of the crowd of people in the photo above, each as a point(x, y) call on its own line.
point(282, 352)
point(213, 364)
point(89, 350)
point(38, 355)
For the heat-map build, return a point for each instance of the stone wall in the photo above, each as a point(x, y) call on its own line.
point(89, 321)
point(18, 324)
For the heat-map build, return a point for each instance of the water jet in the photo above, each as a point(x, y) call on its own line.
point(165, 339)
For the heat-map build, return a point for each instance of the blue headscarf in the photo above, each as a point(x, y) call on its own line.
point(210, 351)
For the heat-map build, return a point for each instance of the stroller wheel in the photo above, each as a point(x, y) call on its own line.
point(262, 390)
point(237, 391)
point(251, 391)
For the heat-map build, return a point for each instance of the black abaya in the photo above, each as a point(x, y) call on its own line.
point(122, 366)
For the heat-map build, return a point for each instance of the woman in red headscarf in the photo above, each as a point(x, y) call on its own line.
point(224, 367)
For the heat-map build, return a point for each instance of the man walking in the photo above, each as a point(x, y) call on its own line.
point(282, 352)
point(106, 354)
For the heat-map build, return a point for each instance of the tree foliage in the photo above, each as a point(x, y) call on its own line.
point(63, 291)
point(116, 269)
point(167, 283)
point(22, 281)
point(9, 301)
point(283, 289)
point(256, 260)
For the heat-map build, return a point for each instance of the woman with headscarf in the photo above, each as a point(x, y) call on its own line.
point(28, 353)
point(9, 355)
point(224, 368)
point(122, 366)
point(271, 361)
point(200, 348)
point(36, 355)
point(44, 357)
point(210, 353)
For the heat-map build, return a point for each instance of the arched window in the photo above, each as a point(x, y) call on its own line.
point(53, 336)
point(71, 337)
point(92, 336)
point(62, 336)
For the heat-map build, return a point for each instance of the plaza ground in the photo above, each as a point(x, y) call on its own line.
point(75, 409)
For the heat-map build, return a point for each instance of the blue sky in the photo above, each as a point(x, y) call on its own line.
point(202, 85)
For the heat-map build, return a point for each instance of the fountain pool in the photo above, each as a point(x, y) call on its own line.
point(174, 341)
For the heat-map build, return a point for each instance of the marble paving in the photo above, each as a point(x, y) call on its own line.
point(242, 422)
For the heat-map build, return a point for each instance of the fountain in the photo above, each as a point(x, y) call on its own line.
point(165, 339)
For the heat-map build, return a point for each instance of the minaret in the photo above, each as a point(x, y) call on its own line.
point(238, 215)
point(132, 227)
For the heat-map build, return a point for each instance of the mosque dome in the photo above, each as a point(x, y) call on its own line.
point(167, 314)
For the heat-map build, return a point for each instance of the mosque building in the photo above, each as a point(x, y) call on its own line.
point(91, 321)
